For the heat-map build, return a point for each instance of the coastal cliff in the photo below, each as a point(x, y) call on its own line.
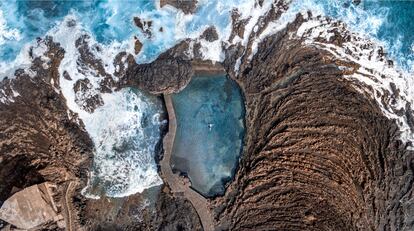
point(319, 154)
point(321, 150)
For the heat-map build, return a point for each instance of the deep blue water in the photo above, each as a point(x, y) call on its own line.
point(210, 130)
point(398, 28)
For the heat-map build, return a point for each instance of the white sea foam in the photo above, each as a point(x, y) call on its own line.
point(7, 33)
point(374, 71)
point(119, 121)
point(113, 126)
point(124, 157)
point(212, 50)
point(374, 76)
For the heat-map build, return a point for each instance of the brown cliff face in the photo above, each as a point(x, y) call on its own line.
point(318, 154)
point(40, 139)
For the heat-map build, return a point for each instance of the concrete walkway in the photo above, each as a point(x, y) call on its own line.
point(67, 205)
point(180, 186)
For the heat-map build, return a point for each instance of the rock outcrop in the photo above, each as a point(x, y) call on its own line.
point(41, 140)
point(154, 209)
point(187, 6)
point(318, 154)
point(167, 74)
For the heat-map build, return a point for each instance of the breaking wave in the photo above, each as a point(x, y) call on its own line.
point(124, 159)
point(125, 131)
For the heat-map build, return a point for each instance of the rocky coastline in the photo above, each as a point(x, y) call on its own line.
point(319, 154)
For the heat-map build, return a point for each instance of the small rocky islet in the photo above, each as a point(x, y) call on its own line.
point(270, 118)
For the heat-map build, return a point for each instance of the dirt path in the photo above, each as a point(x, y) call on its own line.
point(178, 185)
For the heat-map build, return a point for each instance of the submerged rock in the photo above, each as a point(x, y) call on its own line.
point(320, 152)
point(210, 34)
point(187, 6)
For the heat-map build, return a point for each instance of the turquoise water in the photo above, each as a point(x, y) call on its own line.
point(109, 21)
point(390, 22)
point(398, 29)
point(210, 130)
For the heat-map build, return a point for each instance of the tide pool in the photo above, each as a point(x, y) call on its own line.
point(110, 24)
point(210, 131)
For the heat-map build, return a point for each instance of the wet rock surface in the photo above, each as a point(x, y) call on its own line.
point(176, 214)
point(210, 34)
point(318, 154)
point(144, 26)
point(155, 209)
point(187, 6)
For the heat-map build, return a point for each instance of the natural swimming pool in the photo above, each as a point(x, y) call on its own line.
point(210, 131)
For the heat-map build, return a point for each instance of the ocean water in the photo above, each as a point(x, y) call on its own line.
point(109, 23)
point(397, 29)
point(210, 131)
point(126, 131)
point(388, 22)
point(21, 22)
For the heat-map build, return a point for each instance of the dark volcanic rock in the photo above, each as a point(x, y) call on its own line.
point(137, 46)
point(88, 59)
point(123, 60)
point(210, 34)
point(318, 155)
point(40, 139)
point(132, 213)
point(167, 74)
point(187, 6)
point(144, 25)
point(176, 214)
point(81, 87)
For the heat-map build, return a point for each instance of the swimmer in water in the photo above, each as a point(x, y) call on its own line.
point(210, 126)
